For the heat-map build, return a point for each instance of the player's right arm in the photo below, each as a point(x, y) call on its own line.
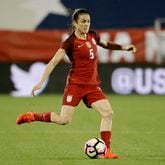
point(49, 67)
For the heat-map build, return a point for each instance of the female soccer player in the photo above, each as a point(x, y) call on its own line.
point(82, 81)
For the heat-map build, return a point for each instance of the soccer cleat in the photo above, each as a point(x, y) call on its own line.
point(25, 118)
point(110, 155)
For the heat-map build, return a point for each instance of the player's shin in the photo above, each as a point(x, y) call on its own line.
point(45, 116)
point(106, 137)
point(105, 131)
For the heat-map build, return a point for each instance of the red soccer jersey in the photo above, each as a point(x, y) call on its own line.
point(83, 57)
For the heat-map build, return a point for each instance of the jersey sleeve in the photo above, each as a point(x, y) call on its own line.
point(65, 45)
point(96, 36)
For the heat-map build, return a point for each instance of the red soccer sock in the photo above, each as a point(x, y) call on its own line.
point(106, 137)
point(45, 117)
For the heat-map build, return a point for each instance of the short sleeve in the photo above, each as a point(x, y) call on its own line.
point(97, 37)
point(66, 45)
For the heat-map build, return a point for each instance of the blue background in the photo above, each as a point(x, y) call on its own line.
point(106, 14)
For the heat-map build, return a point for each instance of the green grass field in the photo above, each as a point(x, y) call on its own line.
point(138, 132)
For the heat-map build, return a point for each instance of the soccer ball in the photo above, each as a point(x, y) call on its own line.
point(95, 148)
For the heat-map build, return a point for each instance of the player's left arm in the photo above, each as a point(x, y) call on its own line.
point(114, 46)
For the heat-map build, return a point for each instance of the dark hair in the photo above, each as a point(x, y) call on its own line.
point(75, 16)
point(77, 12)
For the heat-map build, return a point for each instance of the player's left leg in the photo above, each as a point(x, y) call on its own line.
point(105, 110)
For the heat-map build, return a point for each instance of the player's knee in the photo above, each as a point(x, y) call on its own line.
point(107, 113)
point(65, 121)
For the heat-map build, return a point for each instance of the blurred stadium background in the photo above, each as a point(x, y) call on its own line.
point(30, 33)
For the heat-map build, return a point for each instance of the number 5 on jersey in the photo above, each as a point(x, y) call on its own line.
point(91, 54)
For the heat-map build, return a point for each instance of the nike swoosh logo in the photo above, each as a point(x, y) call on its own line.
point(79, 46)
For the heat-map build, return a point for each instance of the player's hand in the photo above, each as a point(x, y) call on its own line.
point(130, 48)
point(36, 87)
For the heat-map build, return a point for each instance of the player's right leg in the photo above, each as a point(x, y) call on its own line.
point(65, 115)
point(63, 118)
point(71, 99)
